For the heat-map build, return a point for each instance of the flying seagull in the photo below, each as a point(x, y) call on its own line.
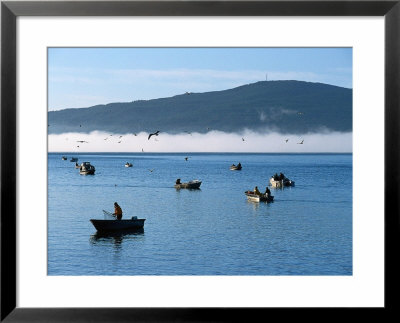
point(153, 134)
point(300, 143)
point(151, 170)
point(287, 140)
point(242, 139)
point(82, 141)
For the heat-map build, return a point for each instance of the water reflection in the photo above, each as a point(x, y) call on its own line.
point(115, 237)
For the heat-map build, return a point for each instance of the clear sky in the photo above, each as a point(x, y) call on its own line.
point(82, 77)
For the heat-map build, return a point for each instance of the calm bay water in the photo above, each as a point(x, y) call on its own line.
point(307, 230)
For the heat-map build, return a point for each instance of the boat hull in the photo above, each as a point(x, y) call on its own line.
point(258, 198)
point(91, 172)
point(189, 185)
point(235, 168)
point(117, 225)
point(281, 183)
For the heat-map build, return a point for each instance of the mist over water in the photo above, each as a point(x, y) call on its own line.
point(212, 141)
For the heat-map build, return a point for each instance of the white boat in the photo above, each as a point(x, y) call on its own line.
point(128, 165)
point(251, 196)
point(195, 184)
point(64, 158)
point(86, 169)
point(279, 183)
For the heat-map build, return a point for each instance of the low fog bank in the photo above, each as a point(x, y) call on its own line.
point(213, 141)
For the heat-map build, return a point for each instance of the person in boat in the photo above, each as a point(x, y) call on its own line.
point(281, 177)
point(178, 181)
point(267, 192)
point(276, 177)
point(256, 191)
point(239, 165)
point(117, 211)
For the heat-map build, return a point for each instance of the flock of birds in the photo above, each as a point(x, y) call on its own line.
point(156, 133)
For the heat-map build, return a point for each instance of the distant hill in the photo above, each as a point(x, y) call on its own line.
point(292, 107)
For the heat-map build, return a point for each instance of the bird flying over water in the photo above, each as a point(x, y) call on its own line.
point(82, 141)
point(286, 140)
point(151, 170)
point(242, 139)
point(300, 143)
point(153, 134)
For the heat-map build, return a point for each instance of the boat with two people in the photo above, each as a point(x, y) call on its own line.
point(86, 169)
point(128, 164)
point(73, 159)
point(194, 184)
point(236, 167)
point(280, 181)
point(64, 158)
point(112, 225)
point(257, 196)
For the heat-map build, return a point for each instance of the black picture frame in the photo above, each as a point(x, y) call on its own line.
point(10, 10)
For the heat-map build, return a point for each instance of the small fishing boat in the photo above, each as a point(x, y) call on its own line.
point(258, 198)
point(86, 169)
point(128, 165)
point(279, 183)
point(73, 159)
point(195, 184)
point(64, 158)
point(236, 167)
point(118, 225)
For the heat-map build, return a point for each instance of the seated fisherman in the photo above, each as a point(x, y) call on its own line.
point(256, 191)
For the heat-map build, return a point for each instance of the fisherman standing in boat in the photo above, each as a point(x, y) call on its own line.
point(256, 191)
point(178, 181)
point(117, 211)
point(267, 192)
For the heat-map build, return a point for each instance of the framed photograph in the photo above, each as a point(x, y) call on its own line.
point(196, 160)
